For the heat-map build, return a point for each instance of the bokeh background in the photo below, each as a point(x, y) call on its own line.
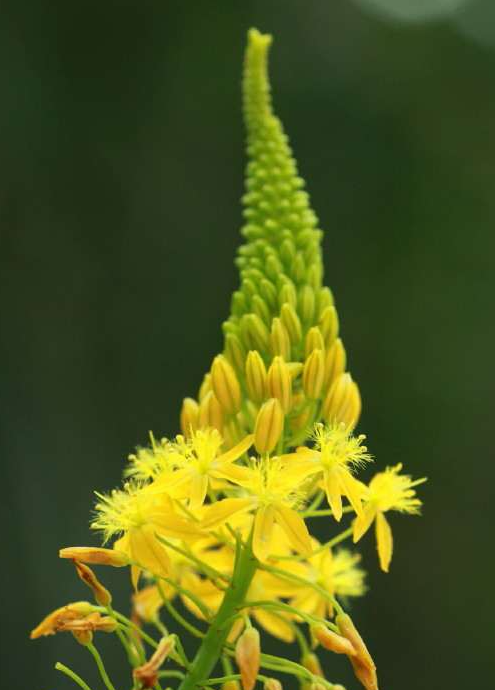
point(120, 177)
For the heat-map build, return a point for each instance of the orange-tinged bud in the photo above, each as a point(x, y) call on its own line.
point(84, 637)
point(247, 656)
point(272, 684)
point(52, 623)
point(279, 339)
point(329, 325)
point(256, 377)
point(225, 385)
point(92, 623)
point(292, 323)
point(362, 663)
point(331, 641)
point(147, 674)
point(269, 426)
point(335, 361)
point(189, 416)
point(95, 555)
point(210, 412)
point(101, 593)
point(314, 341)
point(313, 375)
point(312, 663)
point(280, 383)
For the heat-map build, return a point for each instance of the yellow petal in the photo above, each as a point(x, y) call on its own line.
point(220, 512)
point(234, 473)
point(384, 541)
point(332, 489)
point(238, 450)
point(274, 624)
point(147, 551)
point(263, 527)
point(352, 489)
point(294, 528)
point(198, 489)
point(363, 522)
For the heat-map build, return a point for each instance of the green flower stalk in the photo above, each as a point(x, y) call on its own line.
point(220, 517)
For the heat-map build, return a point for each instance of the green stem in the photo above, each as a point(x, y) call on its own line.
point(71, 674)
point(101, 666)
point(211, 647)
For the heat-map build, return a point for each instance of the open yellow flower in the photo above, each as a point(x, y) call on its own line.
point(138, 513)
point(272, 490)
point(200, 462)
point(388, 490)
point(336, 454)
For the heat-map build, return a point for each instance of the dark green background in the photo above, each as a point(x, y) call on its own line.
point(121, 172)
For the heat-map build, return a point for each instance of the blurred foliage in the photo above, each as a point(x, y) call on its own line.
point(121, 171)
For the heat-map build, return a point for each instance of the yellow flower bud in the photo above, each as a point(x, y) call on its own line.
point(306, 305)
point(235, 351)
point(269, 426)
point(272, 684)
point(210, 412)
point(343, 402)
point(292, 323)
point(231, 685)
point(313, 341)
point(256, 377)
point(280, 383)
point(279, 339)
point(247, 656)
point(254, 332)
point(95, 555)
point(205, 387)
point(295, 369)
point(100, 593)
point(225, 385)
point(260, 308)
point(189, 416)
point(324, 299)
point(329, 325)
point(331, 641)
point(301, 421)
point(312, 663)
point(313, 375)
point(335, 361)
point(362, 663)
point(288, 294)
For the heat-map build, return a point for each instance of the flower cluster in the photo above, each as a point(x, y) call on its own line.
point(218, 525)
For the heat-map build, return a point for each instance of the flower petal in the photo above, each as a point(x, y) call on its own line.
point(384, 541)
point(363, 522)
point(218, 513)
point(238, 450)
point(334, 498)
point(263, 527)
point(295, 529)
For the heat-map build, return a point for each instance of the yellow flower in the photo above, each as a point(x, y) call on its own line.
point(271, 488)
point(388, 490)
point(149, 463)
point(138, 513)
point(337, 453)
point(337, 573)
point(199, 462)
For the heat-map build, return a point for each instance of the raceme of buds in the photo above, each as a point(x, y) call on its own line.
point(147, 674)
point(247, 656)
point(331, 641)
point(256, 381)
point(269, 426)
point(280, 383)
point(362, 663)
point(225, 385)
point(313, 375)
point(101, 593)
point(95, 555)
point(189, 416)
